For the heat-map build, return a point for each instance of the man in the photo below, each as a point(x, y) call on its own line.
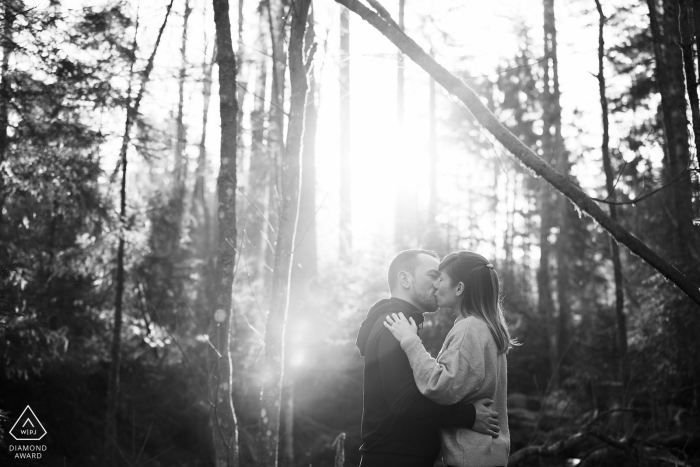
point(400, 427)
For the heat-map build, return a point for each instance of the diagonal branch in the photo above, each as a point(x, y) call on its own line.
point(525, 155)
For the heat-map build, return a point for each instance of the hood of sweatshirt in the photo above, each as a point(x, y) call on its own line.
point(381, 308)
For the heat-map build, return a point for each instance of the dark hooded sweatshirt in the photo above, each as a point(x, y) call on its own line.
point(400, 426)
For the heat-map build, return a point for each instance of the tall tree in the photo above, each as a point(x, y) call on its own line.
point(132, 112)
point(550, 119)
point(181, 133)
point(7, 46)
point(345, 152)
point(273, 363)
point(223, 417)
point(261, 166)
point(563, 208)
point(610, 188)
point(432, 144)
point(668, 75)
point(405, 215)
point(200, 205)
point(686, 26)
point(305, 264)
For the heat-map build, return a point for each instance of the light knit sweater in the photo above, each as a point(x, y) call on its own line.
point(469, 367)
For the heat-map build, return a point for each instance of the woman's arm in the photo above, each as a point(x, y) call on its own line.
point(451, 377)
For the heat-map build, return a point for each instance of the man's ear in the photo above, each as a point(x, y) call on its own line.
point(460, 289)
point(404, 280)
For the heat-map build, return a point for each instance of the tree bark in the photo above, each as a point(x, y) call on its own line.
point(550, 150)
point(7, 47)
point(275, 132)
point(223, 414)
point(528, 158)
point(273, 364)
point(261, 162)
point(304, 266)
point(132, 112)
point(668, 74)
point(686, 23)
point(345, 150)
point(614, 248)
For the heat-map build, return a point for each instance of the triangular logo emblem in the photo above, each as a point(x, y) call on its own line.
point(27, 427)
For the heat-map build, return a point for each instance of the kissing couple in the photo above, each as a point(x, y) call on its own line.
point(415, 406)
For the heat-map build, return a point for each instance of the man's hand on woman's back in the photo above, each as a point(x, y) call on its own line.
point(486, 419)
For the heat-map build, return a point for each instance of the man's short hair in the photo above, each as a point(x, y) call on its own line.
point(406, 260)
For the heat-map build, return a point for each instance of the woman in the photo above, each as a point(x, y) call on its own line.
point(472, 362)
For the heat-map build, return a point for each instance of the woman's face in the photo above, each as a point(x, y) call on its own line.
point(446, 292)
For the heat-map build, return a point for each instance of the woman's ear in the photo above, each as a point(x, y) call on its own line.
point(460, 289)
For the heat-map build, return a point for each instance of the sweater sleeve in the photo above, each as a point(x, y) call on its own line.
point(402, 395)
point(452, 377)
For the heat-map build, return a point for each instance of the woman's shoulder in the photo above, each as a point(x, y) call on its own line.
point(475, 329)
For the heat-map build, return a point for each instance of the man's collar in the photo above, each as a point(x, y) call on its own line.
point(411, 310)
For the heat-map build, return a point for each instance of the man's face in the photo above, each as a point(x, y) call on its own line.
point(425, 275)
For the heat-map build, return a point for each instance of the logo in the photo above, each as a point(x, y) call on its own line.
point(27, 427)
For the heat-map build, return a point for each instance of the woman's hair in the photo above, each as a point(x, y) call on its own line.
point(481, 295)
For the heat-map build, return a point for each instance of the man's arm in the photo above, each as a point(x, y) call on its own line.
point(402, 394)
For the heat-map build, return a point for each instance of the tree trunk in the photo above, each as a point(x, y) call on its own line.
point(261, 162)
point(181, 162)
point(223, 419)
point(273, 364)
point(614, 249)
point(562, 249)
point(432, 144)
point(404, 226)
point(304, 267)
point(200, 205)
point(181, 143)
point(686, 23)
point(668, 74)
point(275, 132)
point(345, 152)
point(547, 204)
point(7, 46)
point(132, 112)
point(529, 159)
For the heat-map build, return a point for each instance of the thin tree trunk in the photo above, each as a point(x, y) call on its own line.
point(200, 205)
point(273, 364)
point(345, 152)
point(275, 132)
point(404, 225)
point(304, 267)
point(529, 159)
point(614, 248)
point(261, 163)
point(7, 47)
point(432, 144)
point(132, 112)
point(181, 163)
point(686, 23)
point(562, 207)
point(181, 143)
point(223, 414)
point(544, 284)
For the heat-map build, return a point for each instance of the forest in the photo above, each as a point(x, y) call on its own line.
point(199, 201)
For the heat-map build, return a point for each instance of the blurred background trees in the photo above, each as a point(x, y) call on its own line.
point(607, 373)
